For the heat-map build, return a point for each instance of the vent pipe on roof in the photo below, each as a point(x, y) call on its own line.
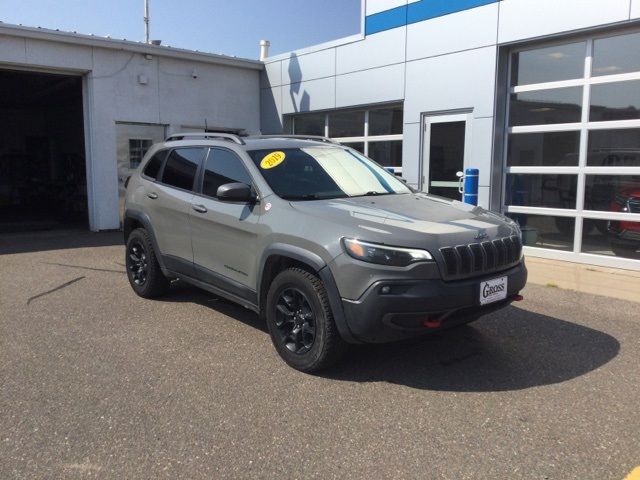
point(264, 49)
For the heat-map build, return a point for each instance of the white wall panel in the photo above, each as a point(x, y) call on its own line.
point(522, 19)
point(411, 154)
point(301, 68)
point(271, 110)
point(456, 81)
point(376, 6)
point(483, 196)
point(377, 85)
point(233, 102)
point(272, 75)
point(312, 95)
point(12, 49)
point(481, 149)
point(464, 30)
point(635, 9)
point(75, 57)
point(384, 48)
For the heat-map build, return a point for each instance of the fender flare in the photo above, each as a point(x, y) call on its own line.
point(320, 266)
point(143, 218)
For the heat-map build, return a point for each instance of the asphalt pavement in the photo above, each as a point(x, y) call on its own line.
point(96, 382)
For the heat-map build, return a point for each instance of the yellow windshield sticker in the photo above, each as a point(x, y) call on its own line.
point(272, 160)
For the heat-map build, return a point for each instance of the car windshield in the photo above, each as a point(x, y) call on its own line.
point(320, 172)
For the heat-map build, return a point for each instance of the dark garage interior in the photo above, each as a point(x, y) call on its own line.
point(42, 154)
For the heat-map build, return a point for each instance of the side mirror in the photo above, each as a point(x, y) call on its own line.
point(236, 192)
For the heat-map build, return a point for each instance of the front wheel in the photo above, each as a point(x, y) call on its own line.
point(300, 321)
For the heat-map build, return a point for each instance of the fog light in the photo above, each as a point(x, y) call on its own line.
point(386, 290)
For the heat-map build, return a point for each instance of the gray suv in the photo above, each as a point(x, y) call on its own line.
point(323, 243)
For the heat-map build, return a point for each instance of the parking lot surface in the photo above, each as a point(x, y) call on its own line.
point(96, 382)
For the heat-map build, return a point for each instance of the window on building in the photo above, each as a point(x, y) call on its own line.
point(138, 147)
point(572, 157)
point(222, 167)
point(376, 131)
point(311, 124)
point(181, 167)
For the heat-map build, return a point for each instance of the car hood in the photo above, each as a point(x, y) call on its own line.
point(412, 220)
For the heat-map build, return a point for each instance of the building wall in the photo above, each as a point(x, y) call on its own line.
point(225, 96)
point(447, 62)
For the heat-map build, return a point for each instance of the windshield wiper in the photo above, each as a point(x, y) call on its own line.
point(373, 193)
point(309, 196)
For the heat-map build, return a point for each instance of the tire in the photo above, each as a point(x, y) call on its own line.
point(143, 270)
point(300, 321)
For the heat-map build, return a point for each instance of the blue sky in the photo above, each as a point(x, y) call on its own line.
point(231, 27)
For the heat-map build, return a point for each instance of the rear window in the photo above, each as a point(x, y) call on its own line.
point(181, 167)
point(153, 166)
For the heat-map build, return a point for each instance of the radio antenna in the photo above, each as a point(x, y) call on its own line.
point(146, 21)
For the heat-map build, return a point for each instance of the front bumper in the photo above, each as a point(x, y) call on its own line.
point(376, 317)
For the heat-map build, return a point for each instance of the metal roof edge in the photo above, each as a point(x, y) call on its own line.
point(39, 33)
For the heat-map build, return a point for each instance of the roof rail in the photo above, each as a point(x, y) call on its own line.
point(205, 136)
point(316, 138)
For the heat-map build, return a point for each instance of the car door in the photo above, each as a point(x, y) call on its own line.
point(224, 234)
point(169, 205)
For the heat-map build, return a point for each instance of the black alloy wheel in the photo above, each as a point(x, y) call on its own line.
point(295, 321)
point(300, 321)
point(143, 270)
point(138, 263)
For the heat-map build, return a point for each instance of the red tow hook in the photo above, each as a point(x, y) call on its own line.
point(429, 323)
point(518, 298)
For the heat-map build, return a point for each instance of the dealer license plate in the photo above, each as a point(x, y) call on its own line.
point(493, 290)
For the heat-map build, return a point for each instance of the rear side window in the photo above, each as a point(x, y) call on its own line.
point(153, 166)
point(222, 167)
point(180, 169)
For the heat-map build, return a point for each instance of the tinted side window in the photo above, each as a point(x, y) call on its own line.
point(153, 166)
point(180, 169)
point(223, 167)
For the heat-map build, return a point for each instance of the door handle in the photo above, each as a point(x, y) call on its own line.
point(152, 195)
point(199, 208)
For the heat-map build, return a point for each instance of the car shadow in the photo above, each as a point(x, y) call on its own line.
point(512, 349)
point(183, 292)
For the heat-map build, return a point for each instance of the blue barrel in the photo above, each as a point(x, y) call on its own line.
point(471, 176)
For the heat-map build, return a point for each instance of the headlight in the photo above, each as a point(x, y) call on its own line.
point(383, 255)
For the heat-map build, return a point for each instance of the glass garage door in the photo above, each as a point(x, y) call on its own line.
point(572, 152)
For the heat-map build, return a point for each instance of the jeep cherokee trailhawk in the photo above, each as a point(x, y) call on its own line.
point(323, 243)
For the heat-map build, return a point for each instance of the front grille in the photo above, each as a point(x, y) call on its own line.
point(478, 258)
point(634, 205)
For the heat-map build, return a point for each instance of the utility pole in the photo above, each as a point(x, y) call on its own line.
point(146, 21)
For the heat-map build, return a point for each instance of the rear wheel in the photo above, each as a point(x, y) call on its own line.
point(300, 321)
point(145, 276)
